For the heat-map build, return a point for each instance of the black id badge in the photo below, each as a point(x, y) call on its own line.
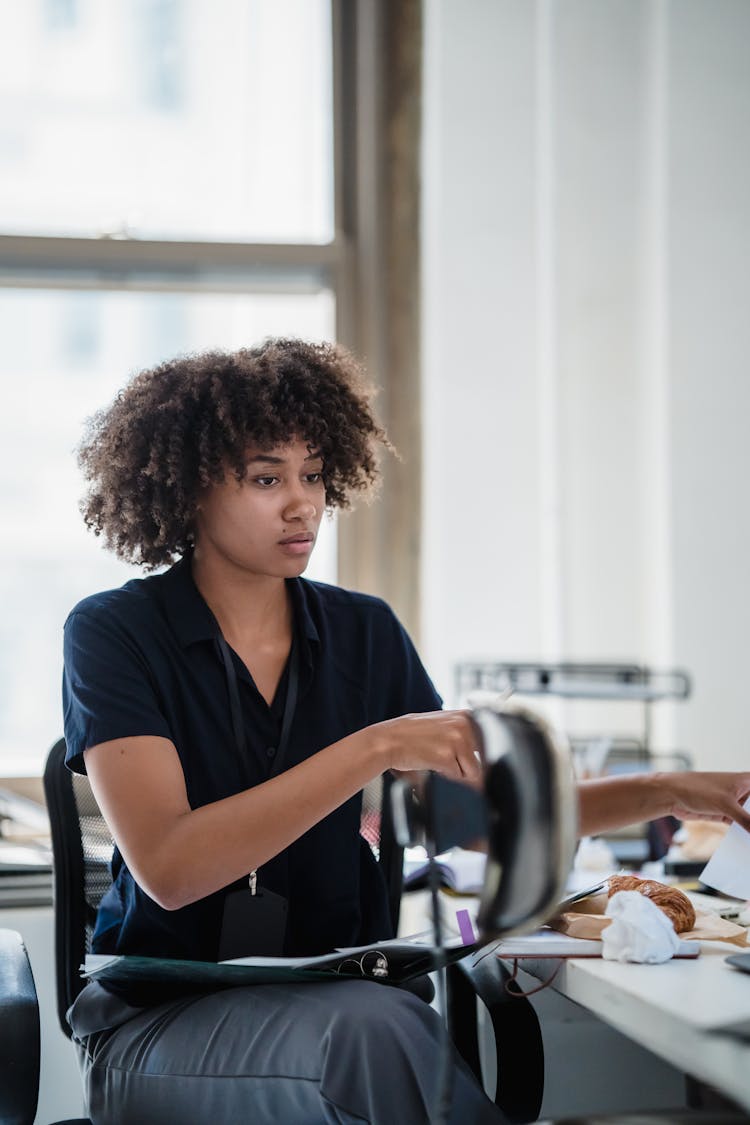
point(254, 924)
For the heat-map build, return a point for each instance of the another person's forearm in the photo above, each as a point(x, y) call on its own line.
point(612, 802)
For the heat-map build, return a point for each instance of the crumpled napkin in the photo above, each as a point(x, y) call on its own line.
point(639, 931)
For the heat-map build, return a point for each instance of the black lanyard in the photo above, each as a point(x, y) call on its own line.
point(290, 704)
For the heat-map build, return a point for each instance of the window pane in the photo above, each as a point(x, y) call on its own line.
point(167, 119)
point(66, 354)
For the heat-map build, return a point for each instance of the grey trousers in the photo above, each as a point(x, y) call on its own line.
point(343, 1052)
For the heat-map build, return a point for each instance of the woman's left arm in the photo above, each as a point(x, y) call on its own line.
point(613, 802)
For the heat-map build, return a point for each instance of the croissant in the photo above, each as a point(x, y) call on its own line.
point(673, 902)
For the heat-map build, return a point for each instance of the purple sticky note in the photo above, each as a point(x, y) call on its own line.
point(465, 928)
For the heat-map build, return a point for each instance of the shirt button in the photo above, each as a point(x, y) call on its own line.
point(271, 751)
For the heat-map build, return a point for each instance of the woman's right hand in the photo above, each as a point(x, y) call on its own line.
point(444, 741)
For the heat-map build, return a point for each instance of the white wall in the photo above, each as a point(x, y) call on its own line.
point(480, 282)
point(587, 271)
point(709, 354)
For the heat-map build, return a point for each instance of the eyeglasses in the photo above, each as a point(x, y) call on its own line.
point(373, 963)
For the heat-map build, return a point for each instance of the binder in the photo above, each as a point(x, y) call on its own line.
point(404, 960)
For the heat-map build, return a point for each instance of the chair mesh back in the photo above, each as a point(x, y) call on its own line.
point(97, 844)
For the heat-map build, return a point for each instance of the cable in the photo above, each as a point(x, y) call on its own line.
point(444, 1068)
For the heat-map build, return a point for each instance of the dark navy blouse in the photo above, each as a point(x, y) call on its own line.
point(144, 660)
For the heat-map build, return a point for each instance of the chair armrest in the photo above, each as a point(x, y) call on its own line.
point(19, 1032)
point(518, 1038)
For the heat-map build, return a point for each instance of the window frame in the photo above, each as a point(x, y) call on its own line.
point(371, 266)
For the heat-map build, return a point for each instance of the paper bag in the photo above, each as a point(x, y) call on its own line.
point(590, 921)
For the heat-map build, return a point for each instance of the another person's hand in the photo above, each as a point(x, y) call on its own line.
point(607, 803)
point(708, 796)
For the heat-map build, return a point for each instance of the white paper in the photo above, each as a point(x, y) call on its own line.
point(98, 961)
point(548, 943)
point(728, 869)
point(462, 870)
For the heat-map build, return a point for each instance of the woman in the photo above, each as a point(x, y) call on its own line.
point(228, 714)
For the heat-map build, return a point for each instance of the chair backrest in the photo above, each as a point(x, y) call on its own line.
point(82, 851)
point(19, 1032)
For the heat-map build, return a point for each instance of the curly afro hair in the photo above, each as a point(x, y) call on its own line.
point(188, 423)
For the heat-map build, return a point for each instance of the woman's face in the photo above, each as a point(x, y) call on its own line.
point(267, 523)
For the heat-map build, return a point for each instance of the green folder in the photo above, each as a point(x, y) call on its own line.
point(388, 962)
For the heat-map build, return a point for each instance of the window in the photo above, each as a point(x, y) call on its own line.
point(167, 119)
point(166, 184)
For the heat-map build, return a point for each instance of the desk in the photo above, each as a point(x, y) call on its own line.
point(669, 1009)
point(25, 875)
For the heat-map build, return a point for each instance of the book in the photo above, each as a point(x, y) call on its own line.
point(459, 870)
point(389, 962)
point(547, 943)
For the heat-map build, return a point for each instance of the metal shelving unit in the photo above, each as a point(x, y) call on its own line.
point(634, 683)
point(572, 680)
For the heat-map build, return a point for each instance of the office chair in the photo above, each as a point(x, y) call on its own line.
point(19, 1035)
point(82, 848)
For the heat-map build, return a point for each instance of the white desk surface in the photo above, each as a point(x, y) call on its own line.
point(669, 1009)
